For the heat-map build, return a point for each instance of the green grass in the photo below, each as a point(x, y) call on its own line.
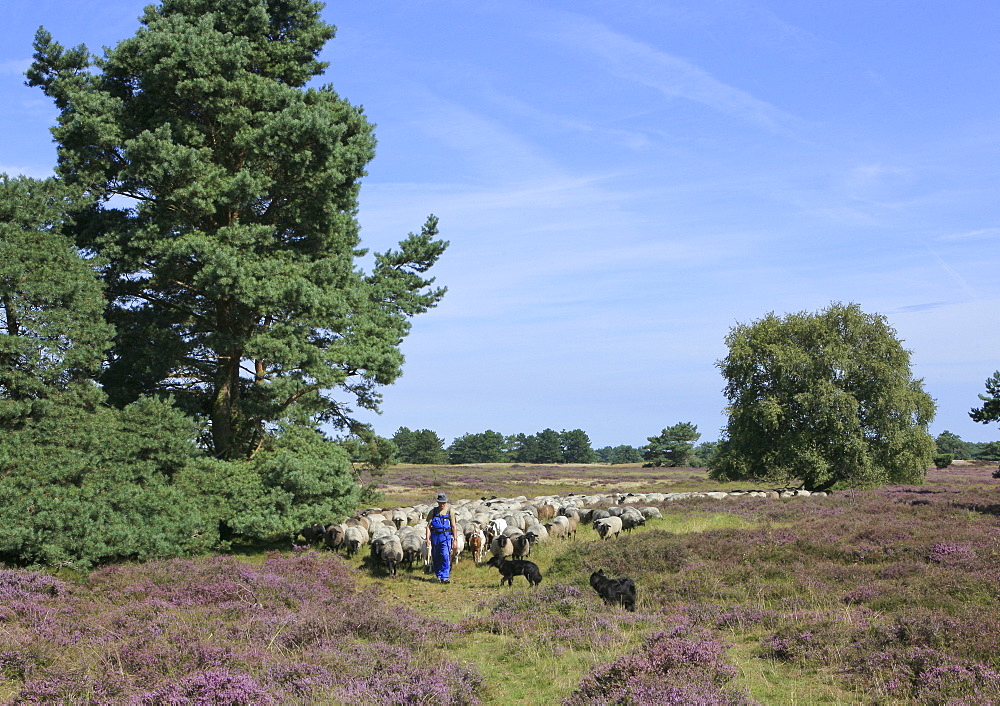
point(520, 669)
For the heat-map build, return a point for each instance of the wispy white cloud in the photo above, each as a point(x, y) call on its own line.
point(955, 276)
point(672, 76)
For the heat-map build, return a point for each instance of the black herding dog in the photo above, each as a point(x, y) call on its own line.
point(509, 568)
point(620, 591)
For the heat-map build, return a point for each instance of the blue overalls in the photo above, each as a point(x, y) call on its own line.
point(441, 538)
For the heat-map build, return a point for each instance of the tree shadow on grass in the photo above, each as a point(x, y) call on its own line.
point(983, 509)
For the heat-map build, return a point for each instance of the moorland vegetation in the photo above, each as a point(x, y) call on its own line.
point(885, 595)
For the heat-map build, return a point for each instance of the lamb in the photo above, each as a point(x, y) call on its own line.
point(620, 591)
point(477, 544)
point(510, 568)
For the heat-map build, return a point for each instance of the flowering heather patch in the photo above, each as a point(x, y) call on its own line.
point(951, 553)
point(678, 666)
point(559, 615)
point(218, 630)
point(16, 585)
point(930, 676)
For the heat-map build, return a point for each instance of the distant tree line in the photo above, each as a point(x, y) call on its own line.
point(674, 446)
point(949, 444)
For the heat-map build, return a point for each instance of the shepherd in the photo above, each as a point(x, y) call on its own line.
point(442, 537)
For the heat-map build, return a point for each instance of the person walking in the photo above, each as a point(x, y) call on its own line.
point(442, 537)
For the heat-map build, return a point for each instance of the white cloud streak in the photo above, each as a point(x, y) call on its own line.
point(671, 76)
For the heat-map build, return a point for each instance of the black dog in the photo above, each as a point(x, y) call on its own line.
point(516, 567)
point(620, 591)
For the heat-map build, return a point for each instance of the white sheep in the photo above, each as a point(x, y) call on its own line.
point(608, 526)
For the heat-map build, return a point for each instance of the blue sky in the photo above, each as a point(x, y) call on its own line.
point(622, 182)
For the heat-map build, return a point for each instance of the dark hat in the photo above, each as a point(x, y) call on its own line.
point(442, 498)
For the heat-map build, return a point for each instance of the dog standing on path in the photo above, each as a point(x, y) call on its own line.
point(509, 568)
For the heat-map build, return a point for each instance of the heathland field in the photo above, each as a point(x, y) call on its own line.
point(885, 596)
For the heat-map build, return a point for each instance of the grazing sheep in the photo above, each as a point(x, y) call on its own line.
point(411, 543)
point(608, 526)
point(620, 591)
point(501, 547)
point(509, 568)
point(334, 536)
point(312, 533)
point(631, 519)
point(651, 513)
point(354, 537)
point(522, 546)
point(536, 532)
point(392, 554)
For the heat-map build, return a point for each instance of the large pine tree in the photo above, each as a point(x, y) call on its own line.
point(224, 213)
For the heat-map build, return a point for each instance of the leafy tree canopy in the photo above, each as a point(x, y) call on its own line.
point(948, 443)
point(223, 201)
point(824, 398)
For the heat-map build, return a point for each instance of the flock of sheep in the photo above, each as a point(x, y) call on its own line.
point(505, 528)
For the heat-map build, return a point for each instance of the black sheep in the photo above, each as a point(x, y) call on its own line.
point(516, 567)
point(620, 591)
point(312, 533)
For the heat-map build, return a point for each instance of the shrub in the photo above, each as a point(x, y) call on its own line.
point(671, 667)
point(943, 460)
